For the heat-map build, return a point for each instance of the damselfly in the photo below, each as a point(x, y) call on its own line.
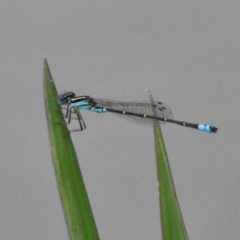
point(139, 112)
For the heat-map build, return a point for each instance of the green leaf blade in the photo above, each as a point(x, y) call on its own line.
point(76, 207)
point(172, 223)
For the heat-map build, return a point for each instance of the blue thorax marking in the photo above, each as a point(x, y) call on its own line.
point(83, 103)
point(80, 102)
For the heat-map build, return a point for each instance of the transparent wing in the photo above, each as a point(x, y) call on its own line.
point(161, 109)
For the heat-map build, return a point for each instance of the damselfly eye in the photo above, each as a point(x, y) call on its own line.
point(61, 100)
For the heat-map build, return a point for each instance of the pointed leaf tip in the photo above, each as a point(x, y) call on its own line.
point(45, 63)
point(149, 92)
point(47, 70)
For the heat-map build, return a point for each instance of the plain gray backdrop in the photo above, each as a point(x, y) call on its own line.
point(186, 52)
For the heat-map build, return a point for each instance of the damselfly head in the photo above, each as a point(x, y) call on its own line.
point(64, 99)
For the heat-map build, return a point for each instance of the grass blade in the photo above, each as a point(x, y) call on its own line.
point(172, 224)
point(76, 207)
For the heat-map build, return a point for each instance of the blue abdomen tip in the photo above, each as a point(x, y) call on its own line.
point(206, 128)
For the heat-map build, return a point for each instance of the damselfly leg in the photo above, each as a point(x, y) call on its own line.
point(67, 110)
point(75, 111)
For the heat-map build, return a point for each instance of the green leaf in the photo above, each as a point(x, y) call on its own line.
point(75, 204)
point(172, 224)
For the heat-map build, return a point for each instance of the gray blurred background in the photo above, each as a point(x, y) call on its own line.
point(186, 52)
